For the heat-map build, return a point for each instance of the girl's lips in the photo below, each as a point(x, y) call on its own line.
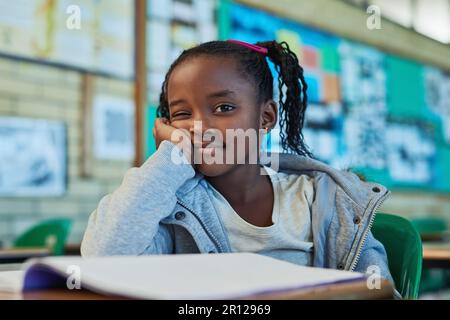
point(210, 145)
point(210, 150)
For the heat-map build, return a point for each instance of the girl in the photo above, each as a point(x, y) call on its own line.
point(306, 213)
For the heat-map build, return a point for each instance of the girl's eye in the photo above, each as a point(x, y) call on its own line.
point(180, 114)
point(224, 108)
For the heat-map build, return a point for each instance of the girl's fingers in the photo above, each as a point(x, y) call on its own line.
point(161, 121)
point(158, 122)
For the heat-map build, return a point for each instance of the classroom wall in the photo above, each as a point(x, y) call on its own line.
point(47, 92)
point(345, 20)
point(40, 91)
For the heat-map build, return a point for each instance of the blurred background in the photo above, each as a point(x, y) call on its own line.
point(80, 80)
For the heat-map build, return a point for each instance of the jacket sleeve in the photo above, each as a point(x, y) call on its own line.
point(127, 222)
point(373, 259)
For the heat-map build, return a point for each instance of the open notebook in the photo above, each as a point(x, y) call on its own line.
point(189, 276)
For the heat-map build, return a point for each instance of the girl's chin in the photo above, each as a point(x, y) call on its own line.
point(213, 170)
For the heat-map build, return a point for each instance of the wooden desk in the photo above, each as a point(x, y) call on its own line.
point(436, 255)
point(18, 255)
point(72, 249)
point(344, 291)
point(435, 237)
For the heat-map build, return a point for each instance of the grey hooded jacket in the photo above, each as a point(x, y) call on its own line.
point(162, 208)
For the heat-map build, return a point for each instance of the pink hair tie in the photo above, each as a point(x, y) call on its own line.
point(250, 46)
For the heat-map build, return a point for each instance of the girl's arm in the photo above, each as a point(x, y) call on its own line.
point(127, 222)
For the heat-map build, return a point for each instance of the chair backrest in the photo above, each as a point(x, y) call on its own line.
point(404, 250)
point(51, 233)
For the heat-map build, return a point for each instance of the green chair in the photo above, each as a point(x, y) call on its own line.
point(432, 229)
point(49, 234)
point(404, 250)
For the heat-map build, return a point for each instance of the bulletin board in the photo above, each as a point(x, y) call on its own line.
point(383, 116)
point(46, 31)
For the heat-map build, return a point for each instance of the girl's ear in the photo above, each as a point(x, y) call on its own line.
point(269, 113)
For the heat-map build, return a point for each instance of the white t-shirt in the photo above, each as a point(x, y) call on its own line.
point(289, 238)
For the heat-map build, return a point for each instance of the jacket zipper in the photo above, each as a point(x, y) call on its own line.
point(216, 242)
point(366, 232)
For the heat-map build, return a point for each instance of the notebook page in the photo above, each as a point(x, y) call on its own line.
point(194, 276)
point(11, 281)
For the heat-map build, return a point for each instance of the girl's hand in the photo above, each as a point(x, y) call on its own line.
point(162, 130)
point(180, 137)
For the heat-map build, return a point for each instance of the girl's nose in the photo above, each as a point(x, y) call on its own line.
point(201, 123)
point(198, 127)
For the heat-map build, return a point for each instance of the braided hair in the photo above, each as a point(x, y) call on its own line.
point(254, 66)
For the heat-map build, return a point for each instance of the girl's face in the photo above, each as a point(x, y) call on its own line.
point(213, 91)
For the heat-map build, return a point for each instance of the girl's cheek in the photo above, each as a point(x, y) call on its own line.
point(177, 123)
point(182, 124)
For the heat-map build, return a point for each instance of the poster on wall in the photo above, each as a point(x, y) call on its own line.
point(320, 130)
point(113, 122)
point(94, 35)
point(437, 92)
point(33, 158)
point(362, 68)
point(363, 86)
point(365, 139)
point(412, 153)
